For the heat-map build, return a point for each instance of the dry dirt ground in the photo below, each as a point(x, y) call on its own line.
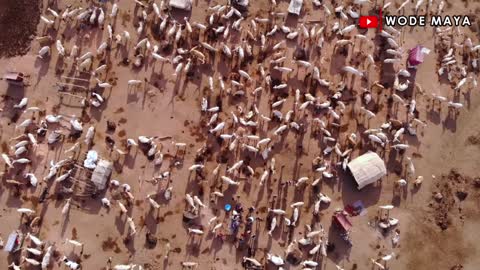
point(435, 233)
point(18, 24)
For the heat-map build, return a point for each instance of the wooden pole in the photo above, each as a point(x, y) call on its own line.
point(73, 85)
point(69, 94)
point(75, 78)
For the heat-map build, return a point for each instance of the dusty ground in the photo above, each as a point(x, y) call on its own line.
point(434, 234)
point(18, 21)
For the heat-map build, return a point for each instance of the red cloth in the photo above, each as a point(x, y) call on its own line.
point(415, 56)
point(349, 209)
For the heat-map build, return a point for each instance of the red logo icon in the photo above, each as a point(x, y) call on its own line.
point(368, 22)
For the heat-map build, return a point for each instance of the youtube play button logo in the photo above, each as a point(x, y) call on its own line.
point(368, 22)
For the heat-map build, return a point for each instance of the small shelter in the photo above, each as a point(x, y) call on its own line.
point(367, 169)
point(15, 78)
point(101, 173)
point(341, 220)
point(295, 7)
point(416, 55)
point(181, 4)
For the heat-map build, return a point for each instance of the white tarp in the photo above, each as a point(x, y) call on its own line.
point(295, 6)
point(243, 3)
point(101, 174)
point(367, 169)
point(11, 242)
point(181, 4)
point(91, 160)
